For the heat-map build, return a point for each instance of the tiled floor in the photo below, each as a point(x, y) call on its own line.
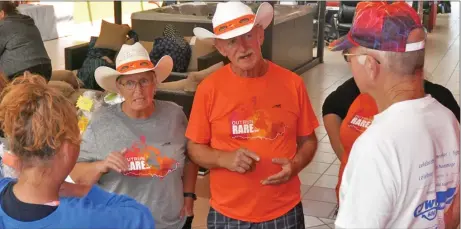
point(320, 177)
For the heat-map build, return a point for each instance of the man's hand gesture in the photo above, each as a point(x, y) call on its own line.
point(283, 176)
point(240, 161)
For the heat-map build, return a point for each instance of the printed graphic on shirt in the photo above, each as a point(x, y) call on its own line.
point(250, 122)
point(147, 161)
point(428, 209)
point(446, 177)
point(360, 122)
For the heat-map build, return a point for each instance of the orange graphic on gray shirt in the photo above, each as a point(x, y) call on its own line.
point(147, 161)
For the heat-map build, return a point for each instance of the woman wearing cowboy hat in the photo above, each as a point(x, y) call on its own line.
point(138, 147)
point(252, 125)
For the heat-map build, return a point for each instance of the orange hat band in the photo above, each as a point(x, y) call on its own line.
point(134, 65)
point(234, 24)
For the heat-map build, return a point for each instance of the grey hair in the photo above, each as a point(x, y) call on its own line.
point(406, 63)
point(401, 63)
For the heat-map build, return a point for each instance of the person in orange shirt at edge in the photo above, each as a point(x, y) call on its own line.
point(252, 125)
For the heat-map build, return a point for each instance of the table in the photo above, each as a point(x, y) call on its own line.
point(64, 13)
point(53, 19)
point(44, 18)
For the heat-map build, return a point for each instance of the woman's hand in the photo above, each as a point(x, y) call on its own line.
point(90, 172)
point(114, 161)
point(188, 208)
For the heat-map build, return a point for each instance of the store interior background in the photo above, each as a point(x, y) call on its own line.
point(320, 177)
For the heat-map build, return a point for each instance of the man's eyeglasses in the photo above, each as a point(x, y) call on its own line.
point(131, 85)
point(347, 56)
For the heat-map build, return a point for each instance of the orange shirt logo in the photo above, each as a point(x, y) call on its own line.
point(360, 123)
point(247, 122)
point(147, 161)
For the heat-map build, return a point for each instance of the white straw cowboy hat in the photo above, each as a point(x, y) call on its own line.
point(132, 59)
point(234, 18)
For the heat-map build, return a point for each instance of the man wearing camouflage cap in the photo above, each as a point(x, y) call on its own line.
point(403, 171)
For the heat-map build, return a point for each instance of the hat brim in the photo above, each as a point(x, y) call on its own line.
point(264, 16)
point(343, 43)
point(106, 77)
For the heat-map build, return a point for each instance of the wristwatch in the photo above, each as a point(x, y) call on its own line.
point(191, 195)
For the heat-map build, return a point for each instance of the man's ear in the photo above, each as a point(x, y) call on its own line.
point(117, 85)
point(260, 34)
point(2, 14)
point(372, 68)
point(220, 47)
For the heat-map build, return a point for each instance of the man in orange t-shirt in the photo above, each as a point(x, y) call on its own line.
point(252, 125)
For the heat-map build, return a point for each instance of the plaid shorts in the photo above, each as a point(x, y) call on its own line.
point(294, 219)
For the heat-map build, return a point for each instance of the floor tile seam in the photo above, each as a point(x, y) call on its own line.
point(327, 202)
point(457, 36)
point(451, 75)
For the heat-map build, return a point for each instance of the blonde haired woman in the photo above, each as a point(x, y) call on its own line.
point(40, 125)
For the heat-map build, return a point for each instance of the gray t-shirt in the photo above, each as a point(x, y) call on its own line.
point(156, 152)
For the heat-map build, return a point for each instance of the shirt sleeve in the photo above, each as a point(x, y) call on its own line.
point(199, 127)
point(88, 147)
point(307, 121)
point(339, 101)
point(369, 188)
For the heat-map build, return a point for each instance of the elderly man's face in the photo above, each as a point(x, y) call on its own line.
point(137, 89)
point(243, 51)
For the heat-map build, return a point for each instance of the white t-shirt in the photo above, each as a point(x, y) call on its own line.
point(403, 171)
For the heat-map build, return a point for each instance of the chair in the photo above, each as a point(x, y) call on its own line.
point(343, 20)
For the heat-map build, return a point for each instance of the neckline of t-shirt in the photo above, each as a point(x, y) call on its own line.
point(407, 105)
point(252, 79)
point(41, 223)
point(125, 117)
